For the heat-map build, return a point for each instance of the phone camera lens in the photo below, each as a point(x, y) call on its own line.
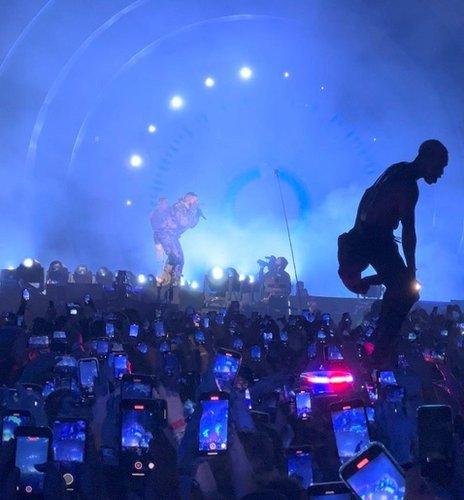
point(68, 479)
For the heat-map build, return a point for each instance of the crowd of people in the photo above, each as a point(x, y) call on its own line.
point(174, 353)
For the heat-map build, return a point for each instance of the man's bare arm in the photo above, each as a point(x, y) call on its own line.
point(409, 241)
point(408, 237)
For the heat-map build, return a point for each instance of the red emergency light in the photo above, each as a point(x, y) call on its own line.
point(327, 381)
point(330, 379)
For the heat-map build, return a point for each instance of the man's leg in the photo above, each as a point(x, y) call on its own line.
point(372, 280)
point(397, 301)
point(160, 255)
point(177, 261)
point(167, 241)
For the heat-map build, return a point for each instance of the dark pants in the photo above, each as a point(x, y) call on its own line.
point(172, 248)
point(356, 251)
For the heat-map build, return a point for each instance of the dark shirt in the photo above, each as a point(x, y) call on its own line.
point(384, 204)
point(277, 283)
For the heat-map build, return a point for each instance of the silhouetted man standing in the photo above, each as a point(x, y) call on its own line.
point(389, 201)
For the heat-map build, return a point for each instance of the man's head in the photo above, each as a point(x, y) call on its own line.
point(190, 199)
point(281, 263)
point(432, 158)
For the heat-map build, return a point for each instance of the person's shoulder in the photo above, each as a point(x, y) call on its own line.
point(404, 168)
point(401, 168)
point(404, 174)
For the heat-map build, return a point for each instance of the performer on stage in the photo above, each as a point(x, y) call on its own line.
point(389, 201)
point(168, 224)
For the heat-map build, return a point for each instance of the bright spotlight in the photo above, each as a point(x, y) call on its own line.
point(194, 285)
point(128, 203)
point(136, 161)
point(417, 286)
point(251, 278)
point(209, 82)
point(28, 262)
point(182, 282)
point(151, 128)
point(245, 73)
point(286, 74)
point(217, 273)
point(31, 271)
point(57, 274)
point(141, 279)
point(176, 102)
point(241, 277)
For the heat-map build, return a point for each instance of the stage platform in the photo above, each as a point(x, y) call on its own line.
point(148, 298)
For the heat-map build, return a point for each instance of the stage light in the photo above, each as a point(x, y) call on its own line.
point(242, 277)
point(10, 268)
point(104, 277)
point(128, 203)
point(82, 274)
point(31, 271)
point(182, 282)
point(245, 73)
point(417, 286)
point(251, 278)
point(8, 278)
point(217, 273)
point(209, 82)
point(216, 282)
point(232, 273)
point(151, 128)
point(286, 74)
point(141, 279)
point(322, 87)
point(194, 285)
point(136, 161)
point(176, 102)
point(57, 274)
point(28, 262)
point(124, 279)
